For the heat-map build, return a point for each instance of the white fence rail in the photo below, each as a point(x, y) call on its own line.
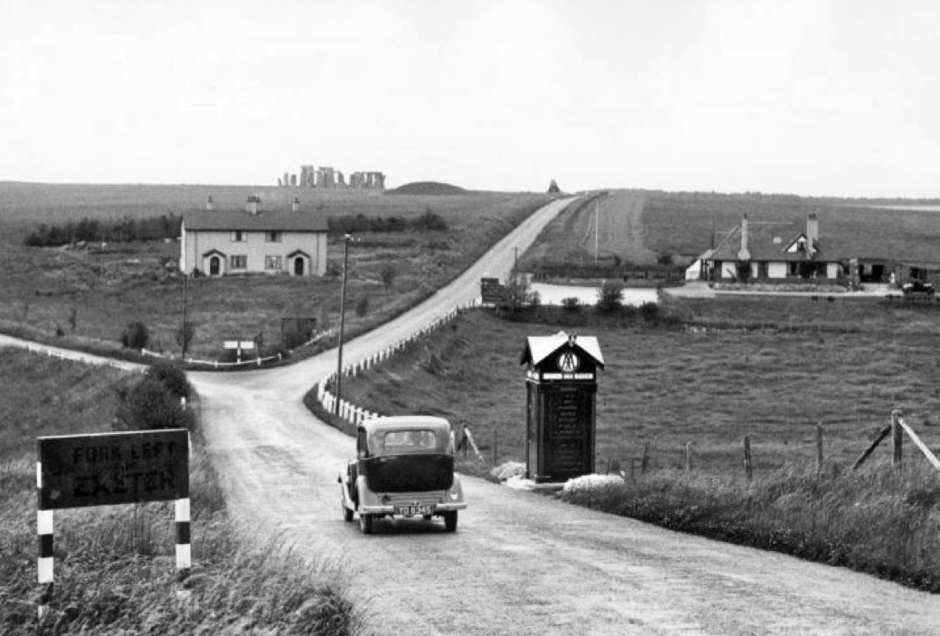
point(354, 414)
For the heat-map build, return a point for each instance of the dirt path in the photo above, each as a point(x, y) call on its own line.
point(519, 563)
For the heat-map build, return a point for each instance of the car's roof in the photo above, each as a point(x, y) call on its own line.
point(400, 422)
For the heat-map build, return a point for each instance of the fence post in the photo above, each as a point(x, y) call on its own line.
point(688, 458)
point(748, 467)
point(897, 437)
point(645, 462)
point(495, 448)
point(819, 447)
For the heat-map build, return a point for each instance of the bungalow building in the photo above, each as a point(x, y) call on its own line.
point(772, 252)
point(224, 242)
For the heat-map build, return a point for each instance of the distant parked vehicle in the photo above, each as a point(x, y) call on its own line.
point(404, 467)
point(918, 289)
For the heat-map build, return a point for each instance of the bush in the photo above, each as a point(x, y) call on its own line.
point(649, 311)
point(150, 405)
point(172, 376)
point(136, 335)
point(571, 304)
point(362, 306)
point(610, 297)
point(517, 294)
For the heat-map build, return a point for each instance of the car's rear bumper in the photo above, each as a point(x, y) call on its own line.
point(389, 509)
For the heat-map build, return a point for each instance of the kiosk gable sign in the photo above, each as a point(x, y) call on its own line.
point(113, 468)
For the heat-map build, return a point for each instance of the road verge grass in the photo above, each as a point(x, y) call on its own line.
point(115, 566)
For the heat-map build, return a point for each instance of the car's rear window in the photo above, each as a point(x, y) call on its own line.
point(409, 440)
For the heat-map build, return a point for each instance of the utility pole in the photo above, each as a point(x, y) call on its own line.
point(183, 336)
point(342, 324)
point(595, 232)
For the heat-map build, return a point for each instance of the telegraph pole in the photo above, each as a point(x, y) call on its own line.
point(342, 324)
point(595, 232)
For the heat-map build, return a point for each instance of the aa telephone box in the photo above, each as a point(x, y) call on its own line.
point(561, 390)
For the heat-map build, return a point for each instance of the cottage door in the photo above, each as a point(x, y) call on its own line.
point(214, 266)
point(299, 266)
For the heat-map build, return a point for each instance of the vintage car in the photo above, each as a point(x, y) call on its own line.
point(404, 467)
point(918, 289)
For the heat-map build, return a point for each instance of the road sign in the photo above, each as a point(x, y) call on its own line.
point(239, 344)
point(491, 291)
point(113, 468)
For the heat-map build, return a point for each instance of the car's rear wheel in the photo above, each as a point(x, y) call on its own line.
point(450, 521)
point(365, 523)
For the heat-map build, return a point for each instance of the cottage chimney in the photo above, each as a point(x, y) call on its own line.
point(251, 205)
point(812, 234)
point(295, 206)
point(209, 204)
point(743, 254)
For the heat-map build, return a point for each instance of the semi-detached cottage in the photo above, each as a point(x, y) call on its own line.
point(225, 242)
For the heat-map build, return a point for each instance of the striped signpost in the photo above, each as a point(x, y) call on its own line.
point(76, 471)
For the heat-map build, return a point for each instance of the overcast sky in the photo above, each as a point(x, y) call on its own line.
point(809, 97)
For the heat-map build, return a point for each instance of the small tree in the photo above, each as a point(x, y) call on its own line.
point(610, 297)
point(136, 335)
point(388, 274)
point(571, 304)
point(649, 311)
point(517, 294)
point(73, 318)
point(184, 336)
point(362, 306)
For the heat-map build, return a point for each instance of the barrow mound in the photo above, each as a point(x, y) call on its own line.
point(427, 187)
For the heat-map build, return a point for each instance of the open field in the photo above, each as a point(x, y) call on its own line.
point(45, 289)
point(115, 565)
point(639, 226)
point(668, 387)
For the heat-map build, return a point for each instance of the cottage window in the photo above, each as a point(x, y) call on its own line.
point(272, 262)
point(238, 262)
point(272, 237)
point(238, 236)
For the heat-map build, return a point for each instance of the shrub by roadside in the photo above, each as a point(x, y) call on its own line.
point(874, 521)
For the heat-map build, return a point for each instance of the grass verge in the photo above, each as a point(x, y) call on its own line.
point(115, 566)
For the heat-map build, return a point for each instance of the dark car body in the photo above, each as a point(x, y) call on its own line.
point(404, 467)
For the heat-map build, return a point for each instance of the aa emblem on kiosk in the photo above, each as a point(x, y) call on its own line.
point(568, 362)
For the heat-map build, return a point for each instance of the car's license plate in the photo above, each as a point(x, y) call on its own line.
point(410, 511)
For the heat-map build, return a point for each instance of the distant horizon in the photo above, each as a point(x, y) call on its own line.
point(927, 199)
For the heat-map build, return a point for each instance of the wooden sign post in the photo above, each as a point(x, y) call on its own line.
point(75, 471)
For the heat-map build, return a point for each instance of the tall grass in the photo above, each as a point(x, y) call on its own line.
point(876, 520)
point(115, 566)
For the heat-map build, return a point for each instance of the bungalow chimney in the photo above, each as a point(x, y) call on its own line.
point(251, 205)
point(295, 206)
point(743, 254)
point(209, 204)
point(812, 235)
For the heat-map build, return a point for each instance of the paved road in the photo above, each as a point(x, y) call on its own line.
point(520, 563)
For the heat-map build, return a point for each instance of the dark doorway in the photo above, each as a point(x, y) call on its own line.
point(299, 266)
point(215, 265)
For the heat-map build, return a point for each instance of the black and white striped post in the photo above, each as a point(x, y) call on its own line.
point(183, 552)
point(45, 562)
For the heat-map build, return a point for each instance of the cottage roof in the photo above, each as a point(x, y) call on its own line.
point(767, 242)
point(540, 347)
point(263, 221)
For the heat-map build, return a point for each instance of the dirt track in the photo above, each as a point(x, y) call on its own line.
point(519, 563)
